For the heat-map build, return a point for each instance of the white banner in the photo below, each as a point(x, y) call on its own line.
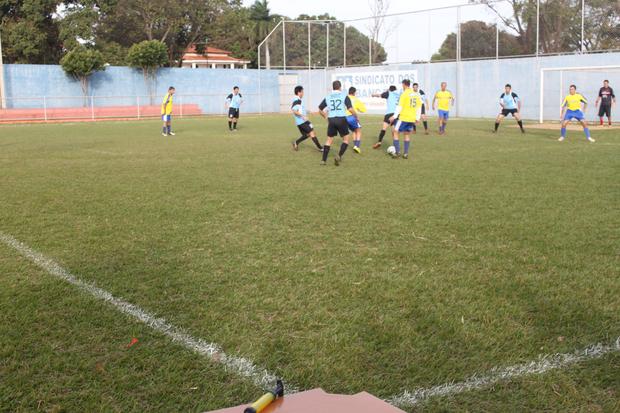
point(369, 83)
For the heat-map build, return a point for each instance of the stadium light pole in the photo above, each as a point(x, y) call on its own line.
point(2, 91)
point(284, 44)
point(327, 48)
point(537, 26)
point(344, 62)
point(583, 18)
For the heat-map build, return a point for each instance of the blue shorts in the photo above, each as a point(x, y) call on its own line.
point(354, 124)
point(166, 118)
point(402, 126)
point(443, 114)
point(574, 114)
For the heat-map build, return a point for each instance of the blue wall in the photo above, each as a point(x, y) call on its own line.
point(27, 84)
point(478, 84)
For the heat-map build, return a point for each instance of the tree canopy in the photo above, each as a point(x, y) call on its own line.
point(42, 31)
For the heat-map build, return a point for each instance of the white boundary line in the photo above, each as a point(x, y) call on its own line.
point(264, 379)
point(239, 365)
point(543, 365)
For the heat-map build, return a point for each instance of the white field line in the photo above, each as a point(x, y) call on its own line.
point(264, 379)
point(543, 365)
point(239, 365)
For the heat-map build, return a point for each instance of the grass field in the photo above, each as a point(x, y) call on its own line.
point(483, 251)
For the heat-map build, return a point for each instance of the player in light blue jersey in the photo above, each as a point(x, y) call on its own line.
point(511, 105)
point(233, 102)
point(301, 120)
point(391, 96)
point(334, 109)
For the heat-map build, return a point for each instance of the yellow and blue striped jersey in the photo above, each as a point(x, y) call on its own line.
point(573, 102)
point(166, 105)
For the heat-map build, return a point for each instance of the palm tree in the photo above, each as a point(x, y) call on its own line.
point(260, 14)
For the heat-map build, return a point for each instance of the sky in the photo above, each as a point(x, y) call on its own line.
point(412, 37)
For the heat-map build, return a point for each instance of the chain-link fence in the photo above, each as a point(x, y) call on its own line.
point(68, 108)
point(475, 30)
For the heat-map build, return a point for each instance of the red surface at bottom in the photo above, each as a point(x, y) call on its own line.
point(78, 113)
point(317, 401)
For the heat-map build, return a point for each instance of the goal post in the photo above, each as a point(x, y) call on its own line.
point(555, 81)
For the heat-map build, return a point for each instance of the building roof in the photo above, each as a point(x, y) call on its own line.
point(211, 55)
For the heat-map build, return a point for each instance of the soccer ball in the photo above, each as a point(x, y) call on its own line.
point(391, 150)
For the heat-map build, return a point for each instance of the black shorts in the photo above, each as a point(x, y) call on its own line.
point(604, 110)
point(337, 126)
point(506, 112)
point(233, 113)
point(386, 118)
point(305, 128)
point(423, 109)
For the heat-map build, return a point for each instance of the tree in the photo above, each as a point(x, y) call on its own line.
point(29, 32)
point(478, 40)
point(148, 56)
point(263, 24)
point(81, 63)
point(379, 32)
point(560, 24)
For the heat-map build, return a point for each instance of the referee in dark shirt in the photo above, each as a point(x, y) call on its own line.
point(607, 99)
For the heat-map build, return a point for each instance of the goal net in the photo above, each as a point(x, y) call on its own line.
point(555, 83)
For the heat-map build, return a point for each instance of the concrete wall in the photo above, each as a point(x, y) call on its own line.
point(478, 84)
point(26, 85)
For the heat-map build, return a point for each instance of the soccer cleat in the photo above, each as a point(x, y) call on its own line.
point(172, 134)
point(426, 132)
point(395, 155)
point(337, 160)
point(523, 131)
point(561, 139)
point(323, 163)
point(376, 145)
point(164, 134)
point(591, 140)
point(357, 150)
point(406, 156)
point(295, 146)
point(319, 149)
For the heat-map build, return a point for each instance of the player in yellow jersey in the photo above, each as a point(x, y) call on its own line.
point(166, 112)
point(353, 121)
point(571, 109)
point(444, 99)
point(407, 114)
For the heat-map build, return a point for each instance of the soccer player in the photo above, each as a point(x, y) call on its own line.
point(233, 102)
point(607, 99)
point(422, 109)
point(443, 100)
point(406, 112)
point(302, 121)
point(166, 112)
point(511, 105)
point(392, 96)
point(571, 109)
point(334, 109)
point(353, 121)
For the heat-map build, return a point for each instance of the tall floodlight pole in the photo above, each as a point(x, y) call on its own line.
point(260, 91)
point(369, 51)
point(283, 45)
point(2, 90)
point(537, 26)
point(496, 41)
point(327, 57)
point(583, 19)
point(344, 61)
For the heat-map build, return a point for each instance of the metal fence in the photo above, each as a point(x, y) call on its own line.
point(81, 108)
point(475, 30)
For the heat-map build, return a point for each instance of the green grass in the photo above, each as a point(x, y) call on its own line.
point(379, 275)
